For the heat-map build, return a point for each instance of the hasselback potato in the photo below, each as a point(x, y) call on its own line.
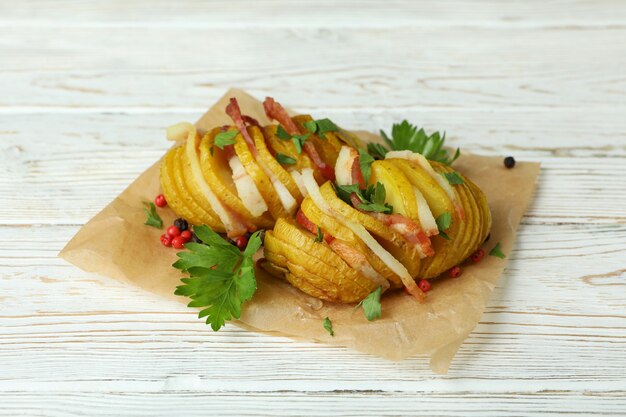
point(339, 223)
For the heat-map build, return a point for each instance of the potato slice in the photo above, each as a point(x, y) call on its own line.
point(399, 191)
point(391, 240)
point(218, 175)
point(270, 161)
point(260, 179)
point(436, 197)
point(194, 199)
point(329, 273)
point(170, 190)
point(347, 240)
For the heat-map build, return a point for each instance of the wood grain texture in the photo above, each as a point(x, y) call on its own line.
point(88, 87)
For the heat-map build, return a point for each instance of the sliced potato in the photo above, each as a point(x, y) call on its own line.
point(437, 198)
point(326, 270)
point(260, 179)
point(340, 232)
point(218, 175)
point(391, 240)
point(170, 190)
point(270, 161)
point(399, 191)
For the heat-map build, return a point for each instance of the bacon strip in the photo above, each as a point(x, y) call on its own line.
point(304, 221)
point(251, 121)
point(357, 175)
point(275, 111)
point(234, 112)
point(409, 230)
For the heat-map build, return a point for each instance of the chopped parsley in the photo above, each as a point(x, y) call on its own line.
point(365, 164)
point(320, 235)
point(152, 217)
point(371, 304)
point(372, 198)
point(454, 178)
point(320, 127)
point(225, 138)
point(285, 159)
point(282, 134)
point(497, 252)
point(328, 325)
point(444, 220)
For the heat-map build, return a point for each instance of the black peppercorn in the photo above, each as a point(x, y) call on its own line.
point(509, 162)
point(181, 224)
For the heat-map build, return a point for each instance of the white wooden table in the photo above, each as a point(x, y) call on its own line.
point(87, 88)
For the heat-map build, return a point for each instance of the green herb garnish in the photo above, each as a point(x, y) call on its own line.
point(311, 126)
point(444, 220)
point(152, 217)
point(320, 127)
point(371, 304)
point(454, 178)
point(285, 159)
point(328, 325)
point(320, 235)
point(377, 150)
point(221, 278)
point(299, 140)
point(226, 138)
point(365, 164)
point(497, 252)
point(372, 198)
point(282, 134)
point(405, 136)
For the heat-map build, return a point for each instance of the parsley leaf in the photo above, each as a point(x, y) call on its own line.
point(371, 304)
point(497, 252)
point(377, 150)
point(365, 164)
point(444, 220)
point(285, 159)
point(320, 235)
point(226, 138)
point(374, 197)
point(311, 126)
point(328, 325)
point(153, 219)
point(299, 140)
point(454, 178)
point(320, 127)
point(282, 134)
point(344, 192)
point(325, 125)
point(405, 136)
point(221, 278)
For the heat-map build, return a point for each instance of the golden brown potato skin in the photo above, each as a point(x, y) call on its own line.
point(329, 271)
point(317, 270)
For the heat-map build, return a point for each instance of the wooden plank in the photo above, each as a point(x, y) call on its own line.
point(556, 317)
point(283, 13)
point(352, 69)
point(339, 403)
point(86, 160)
